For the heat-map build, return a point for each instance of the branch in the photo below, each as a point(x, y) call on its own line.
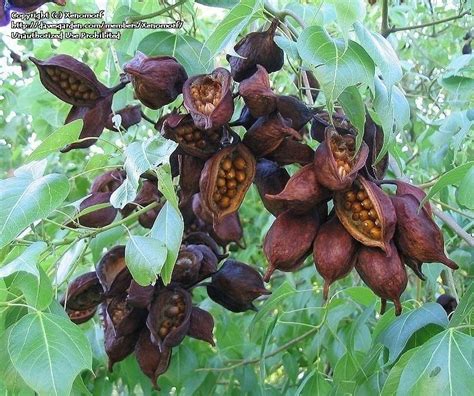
point(451, 223)
point(384, 30)
point(157, 13)
point(281, 15)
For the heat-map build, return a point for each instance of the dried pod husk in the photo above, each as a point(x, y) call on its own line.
point(271, 179)
point(322, 120)
point(79, 317)
point(417, 236)
point(257, 48)
point(334, 252)
point(26, 6)
point(201, 325)
point(84, 293)
point(169, 317)
point(314, 84)
point(235, 286)
point(245, 119)
point(208, 98)
point(267, 134)
point(257, 94)
point(71, 81)
point(117, 348)
point(225, 179)
point(157, 80)
point(140, 296)
point(112, 271)
point(404, 188)
point(449, 303)
point(191, 139)
point(188, 264)
point(302, 191)
point(337, 162)
point(152, 362)
point(292, 152)
point(208, 263)
point(373, 137)
point(189, 176)
point(130, 115)
point(279, 245)
point(94, 120)
point(295, 110)
point(203, 238)
point(98, 218)
point(108, 181)
point(367, 214)
point(125, 319)
point(385, 275)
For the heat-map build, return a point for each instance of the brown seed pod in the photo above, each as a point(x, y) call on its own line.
point(79, 317)
point(336, 160)
point(385, 275)
point(267, 134)
point(292, 152)
point(373, 136)
point(84, 293)
point(169, 317)
point(407, 188)
point(26, 6)
point(245, 119)
point(302, 192)
point(112, 271)
point(190, 169)
point(367, 214)
point(188, 264)
point(191, 139)
point(257, 94)
point(225, 179)
point(94, 120)
point(279, 245)
point(108, 181)
point(334, 252)
point(202, 238)
point(322, 120)
point(152, 362)
point(130, 115)
point(157, 81)
point(201, 325)
point(125, 319)
point(97, 218)
point(295, 110)
point(208, 98)
point(71, 80)
point(208, 263)
point(256, 48)
point(139, 296)
point(271, 179)
point(417, 235)
point(235, 286)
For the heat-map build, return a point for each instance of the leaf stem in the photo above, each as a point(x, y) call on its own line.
point(157, 13)
point(281, 15)
point(451, 223)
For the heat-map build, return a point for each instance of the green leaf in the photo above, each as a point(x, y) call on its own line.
point(25, 200)
point(335, 65)
point(381, 52)
point(464, 313)
point(38, 291)
point(218, 3)
point(313, 384)
point(464, 194)
point(461, 89)
point(442, 366)
point(452, 176)
point(58, 139)
point(288, 46)
point(361, 295)
point(169, 228)
point(165, 185)
point(353, 105)
point(10, 377)
point(393, 380)
point(347, 368)
point(396, 336)
point(231, 26)
point(26, 262)
point(145, 257)
point(48, 351)
point(348, 12)
point(191, 53)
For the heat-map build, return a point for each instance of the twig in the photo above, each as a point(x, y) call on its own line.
point(281, 15)
point(384, 30)
point(453, 209)
point(451, 223)
point(157, 13)
point(450, 283)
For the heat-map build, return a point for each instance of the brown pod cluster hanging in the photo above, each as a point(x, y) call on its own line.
point(71, 80)
point(258, 48)
point(157, 81)
point(225, 179)
point(208, 98)
point(257, 94)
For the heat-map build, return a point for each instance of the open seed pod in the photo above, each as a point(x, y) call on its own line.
point(225, 179)
point(129, 115)
point(157, 80)
point(112, 271)
point(257, 48)
point(190, 169)
point(385, 275)
point(169, 317)
point(208, 98)
point(257, 94)
point(191, 139)
point(322, 120)
point(140, 296)
point(302, 191)
point(292, 152)
point(208, 263)
point(336, 160)
point(125, 319)
point(188, 264)
point(448, 303)
point(152, 362)
point(373, 136)
point(279, 245)
point(201, 325)
point(334, 252)
point(94, 119)
point(84, 293)
point(295, 110)
point(367, 214)
point(71, 80)
point(79, 317)
point(245, 119)
point(108, 181)
point(26, 6)
point(271, 179)
point(267, 134)
point(235, 286)
point(97, 218)
point(417, 235)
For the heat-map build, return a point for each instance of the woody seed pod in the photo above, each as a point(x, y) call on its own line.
point(257, 94)
point(108, 181)
point(97, 218)
point(321, 121)
point(84, 293)
point(292, 152)
point(295, 110)
point(270, 180)
point(129, 115)
point(201, 325)
point(112, 271)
